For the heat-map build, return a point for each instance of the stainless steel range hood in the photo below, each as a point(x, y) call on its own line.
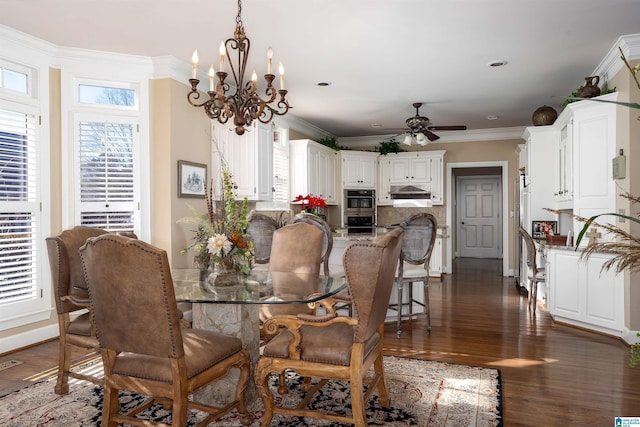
point(411, 195)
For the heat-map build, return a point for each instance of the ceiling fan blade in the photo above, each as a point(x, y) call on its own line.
point(432, 136)
point(439, 128)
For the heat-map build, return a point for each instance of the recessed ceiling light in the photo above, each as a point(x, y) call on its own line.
point(498, 63)
point(375, 125)
point(492, 117)
point(324, 84)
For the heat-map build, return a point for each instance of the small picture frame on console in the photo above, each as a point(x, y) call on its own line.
point(539, 229)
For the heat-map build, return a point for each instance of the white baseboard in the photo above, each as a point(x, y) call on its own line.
point(28, 338)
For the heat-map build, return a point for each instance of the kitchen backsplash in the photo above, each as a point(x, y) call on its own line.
point(388, 215)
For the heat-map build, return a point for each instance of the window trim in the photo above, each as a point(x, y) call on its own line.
point(27, 312)
point(77, 82)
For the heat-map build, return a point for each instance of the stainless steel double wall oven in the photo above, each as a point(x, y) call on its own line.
point(359, 210)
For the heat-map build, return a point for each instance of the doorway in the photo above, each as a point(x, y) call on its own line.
point(478, 213)
point(492, 171)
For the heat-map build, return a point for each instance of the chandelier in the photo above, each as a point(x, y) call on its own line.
point(239, 100)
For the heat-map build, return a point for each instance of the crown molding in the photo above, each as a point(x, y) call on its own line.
point(611, 64)
point(475, 135)
point(108, 64)
point(22, 46)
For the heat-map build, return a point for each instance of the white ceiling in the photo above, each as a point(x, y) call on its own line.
point(379, 55)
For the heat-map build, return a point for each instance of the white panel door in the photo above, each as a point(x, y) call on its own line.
point(479, 203)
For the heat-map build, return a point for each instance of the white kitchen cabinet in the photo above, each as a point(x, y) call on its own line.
point(538, 157)
point(563, 164)
point(581, 294)
point(383, 193)
point(594, 145)
point(436, 165)
point(313, 170)
point(248, 157)
point(409, 168)
point(416, 167)
point(359, 169)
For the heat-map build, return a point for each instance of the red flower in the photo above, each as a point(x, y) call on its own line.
point(310, 201)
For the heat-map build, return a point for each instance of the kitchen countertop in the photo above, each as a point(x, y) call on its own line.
point(545, 246)
point(342, 234)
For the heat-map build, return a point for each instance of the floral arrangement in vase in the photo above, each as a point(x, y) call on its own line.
point(310, 204)
point(219, 241)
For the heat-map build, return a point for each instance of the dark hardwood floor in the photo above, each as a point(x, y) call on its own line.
point(552, 375)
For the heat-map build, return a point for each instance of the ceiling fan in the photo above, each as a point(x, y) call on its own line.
point(420, 128)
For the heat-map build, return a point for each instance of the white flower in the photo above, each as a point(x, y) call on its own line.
point(218, 244)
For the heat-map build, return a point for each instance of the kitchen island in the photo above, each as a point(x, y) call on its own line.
point(342, 239)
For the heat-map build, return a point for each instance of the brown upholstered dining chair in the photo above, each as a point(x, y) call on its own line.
point(297, 247)
point(71, 295)
point(332, 346)
point(260, 229)
point(327, 238)
point(144, 349)
point(417, 245)
point(535, 274)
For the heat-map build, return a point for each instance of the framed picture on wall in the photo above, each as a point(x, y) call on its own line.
point(192, 178)
point(539, 229)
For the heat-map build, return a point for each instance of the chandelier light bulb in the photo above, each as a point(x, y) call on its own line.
point(254, 81)
point(269, 59)
point(421, 139)
point(407, 140)
point(281, 71)
point(194, 64)
point(212, 74)
point(223, 52)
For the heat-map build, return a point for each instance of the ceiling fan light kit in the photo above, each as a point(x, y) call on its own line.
point(420, 128)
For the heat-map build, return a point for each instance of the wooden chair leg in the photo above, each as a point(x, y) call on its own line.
point(282, 384)
point(110, 406)
point(64, 364)
point(534, 299)
point(383, 395)
point(261, 376)
point(357, 402)
point(179, 411)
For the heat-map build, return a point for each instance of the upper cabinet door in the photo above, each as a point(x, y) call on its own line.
point(435, 177)
point(313, 170)
point(399, 171)
point(249, 158)
point(359, 169)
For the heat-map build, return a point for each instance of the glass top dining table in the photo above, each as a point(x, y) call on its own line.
point(259, 287)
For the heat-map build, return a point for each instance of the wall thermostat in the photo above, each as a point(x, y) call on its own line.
point(619, 168)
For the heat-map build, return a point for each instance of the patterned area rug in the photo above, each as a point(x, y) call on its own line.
point(422, 393)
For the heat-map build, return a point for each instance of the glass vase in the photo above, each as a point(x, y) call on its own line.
point(219, 276)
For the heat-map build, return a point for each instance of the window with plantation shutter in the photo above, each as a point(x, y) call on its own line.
point(19, 211)
point(280, 200)
point(106, 168)
point(281, 178)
